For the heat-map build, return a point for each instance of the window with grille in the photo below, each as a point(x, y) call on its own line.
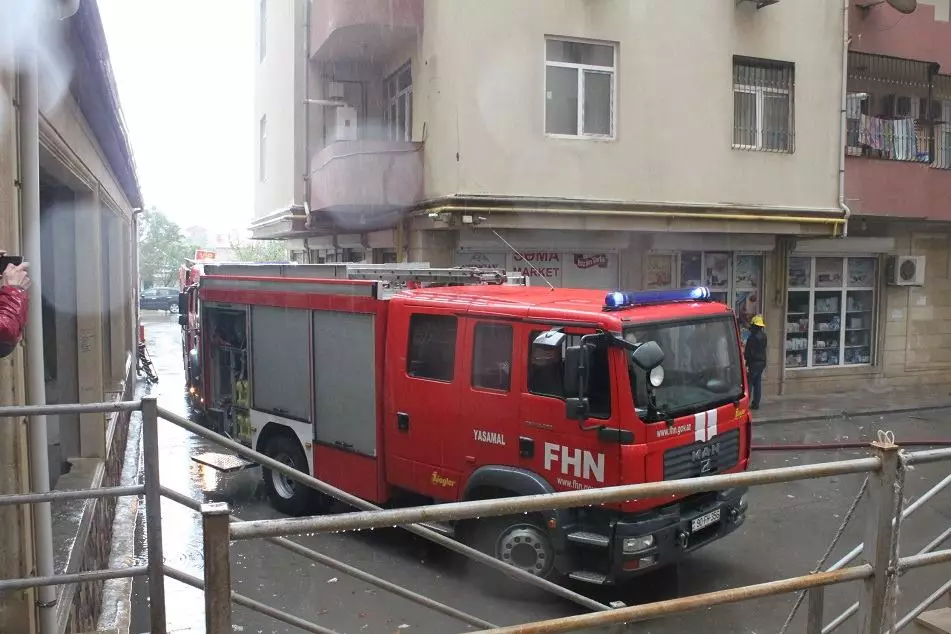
point(762, 105)
point(579, 88)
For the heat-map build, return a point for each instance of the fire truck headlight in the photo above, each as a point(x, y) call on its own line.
point(657, 376)
point(633, 545)
point(744, 503)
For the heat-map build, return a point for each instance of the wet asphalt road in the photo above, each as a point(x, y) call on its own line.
point(788, 528)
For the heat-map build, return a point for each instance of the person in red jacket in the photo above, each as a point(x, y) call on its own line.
point(14, 304)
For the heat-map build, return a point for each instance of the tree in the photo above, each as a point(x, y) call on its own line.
point(162, 249)
point(260, 251)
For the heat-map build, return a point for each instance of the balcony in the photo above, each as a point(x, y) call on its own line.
point(898, 141)
point(344, 30)
point(360, 185)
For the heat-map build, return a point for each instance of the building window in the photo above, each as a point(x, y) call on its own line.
point(762, 105)
point(432, 347)
point(492, 357)
point(398, 116)
point(579, 88)
point(830, 318)
point(262, 30)
point(262, 149)
point(735, 279)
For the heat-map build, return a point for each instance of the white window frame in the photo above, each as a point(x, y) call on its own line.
point(395, 101)
point(262, 148)
point(843, 291)
point(760, 93)
point(262, 30)
point(581, 69)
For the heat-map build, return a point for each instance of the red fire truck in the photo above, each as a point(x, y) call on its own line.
point(418, 385)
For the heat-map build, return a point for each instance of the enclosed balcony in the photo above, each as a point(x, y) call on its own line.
point(364, 184)
point(898, 141)
point(344, 30)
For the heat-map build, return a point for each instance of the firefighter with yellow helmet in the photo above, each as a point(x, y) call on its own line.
point(755, 355)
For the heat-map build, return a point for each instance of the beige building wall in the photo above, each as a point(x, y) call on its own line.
point(279, 97)
point(479, 81)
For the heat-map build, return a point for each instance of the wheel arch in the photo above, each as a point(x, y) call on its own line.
point(272, 428)
point(489, 481)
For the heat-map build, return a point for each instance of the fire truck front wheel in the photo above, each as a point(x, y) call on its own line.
point(287, 496)
point(518, 540)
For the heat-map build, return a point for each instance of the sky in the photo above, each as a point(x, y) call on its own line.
point(185, 74)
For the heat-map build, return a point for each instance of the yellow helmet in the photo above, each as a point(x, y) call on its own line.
point(758, 321)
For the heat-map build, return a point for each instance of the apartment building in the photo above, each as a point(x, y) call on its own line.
point(83, 287)
point(623, 143)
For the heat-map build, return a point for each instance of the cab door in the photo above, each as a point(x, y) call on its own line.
point(550, 443)
point(425, 373)
point(487, 433)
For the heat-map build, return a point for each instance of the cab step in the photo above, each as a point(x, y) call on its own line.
point(595, 578)
point(589, 539)
point(224, 462)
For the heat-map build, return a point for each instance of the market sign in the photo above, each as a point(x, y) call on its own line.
point(204, 254)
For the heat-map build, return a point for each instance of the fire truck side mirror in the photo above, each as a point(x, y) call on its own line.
point(576, 383)
point(648, 355)
point(182, 305)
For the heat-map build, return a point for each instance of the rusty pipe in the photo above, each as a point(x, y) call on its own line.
point(686, 604)
point(531, 503)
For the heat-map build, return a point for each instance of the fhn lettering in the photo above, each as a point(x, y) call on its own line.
point(575, 462)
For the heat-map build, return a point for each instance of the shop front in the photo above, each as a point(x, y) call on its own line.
point(587, 261)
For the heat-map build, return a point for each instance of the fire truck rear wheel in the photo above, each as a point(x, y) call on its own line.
point(287, 496)
point(518, 540)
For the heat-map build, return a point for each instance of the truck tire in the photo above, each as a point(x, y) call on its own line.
point(287, 496)
point(518, 540)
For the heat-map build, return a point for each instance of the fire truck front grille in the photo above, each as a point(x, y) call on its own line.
point(703, 458)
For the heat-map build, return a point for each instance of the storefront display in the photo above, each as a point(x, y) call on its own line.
point(595, 270)
point(830, 311)
point(728, 275)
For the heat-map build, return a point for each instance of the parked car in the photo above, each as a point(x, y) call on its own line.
point(159, 298)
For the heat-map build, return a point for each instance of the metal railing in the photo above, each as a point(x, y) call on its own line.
point(885, 467)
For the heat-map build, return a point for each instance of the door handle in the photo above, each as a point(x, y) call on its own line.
point(526, 447)
point(402, 421)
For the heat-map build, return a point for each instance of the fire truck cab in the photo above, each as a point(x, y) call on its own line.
point(483, 390)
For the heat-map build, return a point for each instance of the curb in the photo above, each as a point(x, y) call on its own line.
point(850, 413)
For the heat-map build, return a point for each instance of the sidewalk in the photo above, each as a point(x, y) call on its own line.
point(798, 407)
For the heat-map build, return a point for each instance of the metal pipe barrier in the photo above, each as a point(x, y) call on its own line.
point(356, 502)
point(220, 528)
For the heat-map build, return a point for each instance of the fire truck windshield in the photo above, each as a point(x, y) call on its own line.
point(701, 366)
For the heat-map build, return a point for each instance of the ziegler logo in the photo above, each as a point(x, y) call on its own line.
point(443, 481)
point(489, 437)
point(580, 464)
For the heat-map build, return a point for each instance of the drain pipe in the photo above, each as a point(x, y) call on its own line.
point(29, 130)
point(843, 127)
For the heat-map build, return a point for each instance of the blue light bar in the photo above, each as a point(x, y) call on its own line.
point(626, 299)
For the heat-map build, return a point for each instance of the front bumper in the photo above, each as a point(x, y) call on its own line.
point(672, 530)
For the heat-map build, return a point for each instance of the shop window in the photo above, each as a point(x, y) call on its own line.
point(735, 279)
point(432, 347)
point(492, 357)
point(830, 311)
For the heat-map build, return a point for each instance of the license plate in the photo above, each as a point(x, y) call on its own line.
point(705, 520)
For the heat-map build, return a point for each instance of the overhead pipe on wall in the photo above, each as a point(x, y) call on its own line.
point(843, 125)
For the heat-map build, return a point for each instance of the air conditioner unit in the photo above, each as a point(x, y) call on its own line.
point(906, 270)
point(346, 124)
point(334, 90)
